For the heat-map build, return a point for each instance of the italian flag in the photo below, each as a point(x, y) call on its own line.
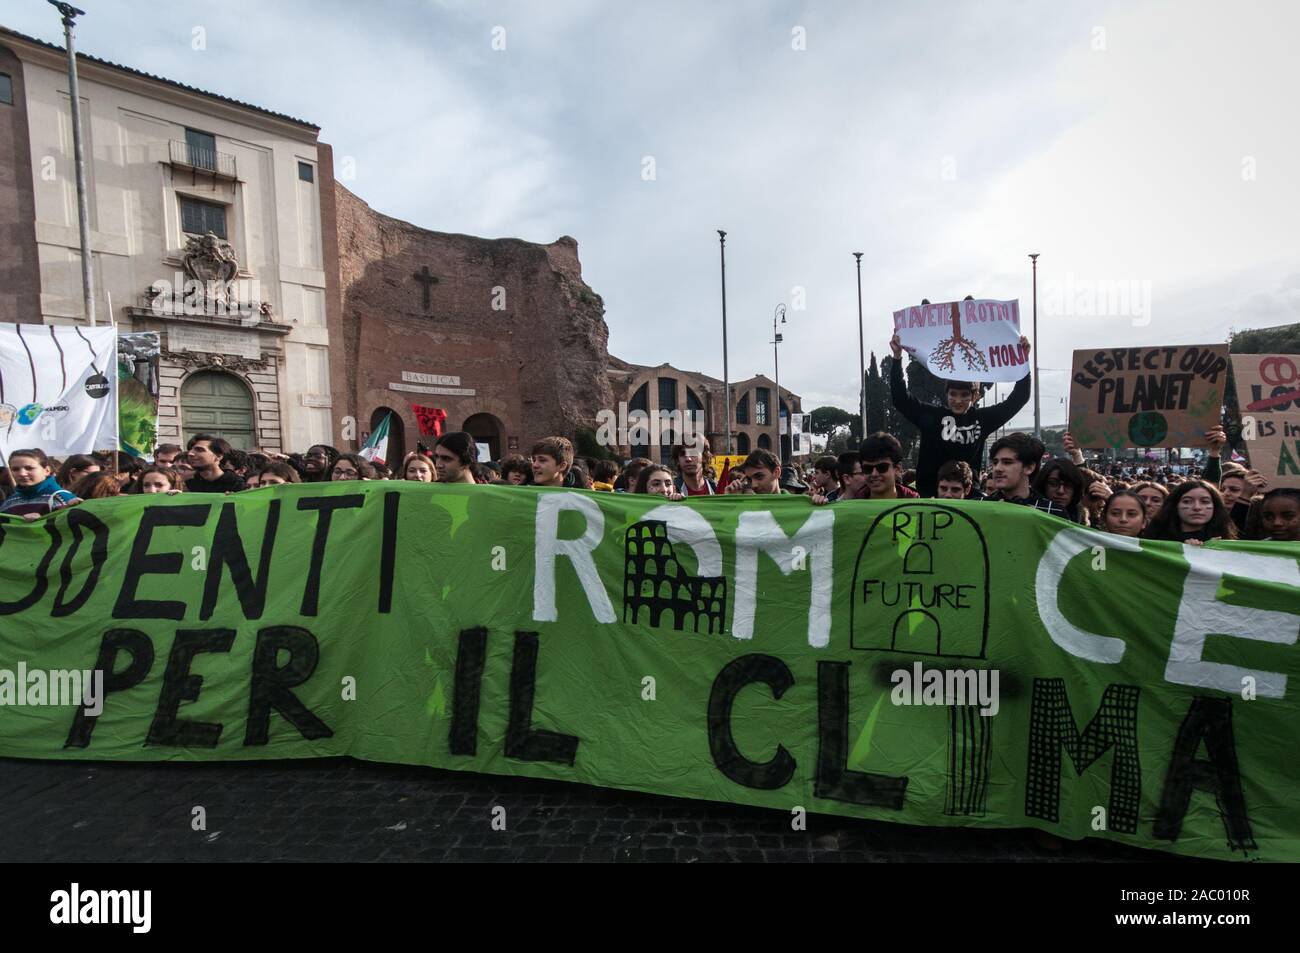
point(376, 448)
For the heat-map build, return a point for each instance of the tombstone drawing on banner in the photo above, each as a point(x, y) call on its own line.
point(921, 587)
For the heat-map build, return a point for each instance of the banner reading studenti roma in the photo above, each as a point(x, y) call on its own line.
point(1147, 396)
point(58, 388)
point(925, 662)
point(1268, 396)
point(965, 340)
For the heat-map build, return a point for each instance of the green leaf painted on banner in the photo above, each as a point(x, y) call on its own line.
point(862, 747)
point(436, 704)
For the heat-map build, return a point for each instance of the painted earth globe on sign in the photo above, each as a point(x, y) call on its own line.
point(1148, 428)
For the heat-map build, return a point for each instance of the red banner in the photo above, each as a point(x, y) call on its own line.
point(430, 420)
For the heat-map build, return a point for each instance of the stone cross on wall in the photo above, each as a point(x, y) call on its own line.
point(428, 281)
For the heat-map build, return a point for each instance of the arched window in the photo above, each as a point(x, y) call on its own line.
point(640, 401)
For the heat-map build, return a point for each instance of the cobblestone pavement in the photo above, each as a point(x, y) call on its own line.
point(345, 810)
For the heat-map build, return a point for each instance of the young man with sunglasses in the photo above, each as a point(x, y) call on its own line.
point(881, 455)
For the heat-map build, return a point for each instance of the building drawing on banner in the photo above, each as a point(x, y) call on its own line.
point(654, 580)
point(205, 224)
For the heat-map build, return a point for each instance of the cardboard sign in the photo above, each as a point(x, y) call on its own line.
point(965, 340)
point(1268, 393)
point(1147, 396)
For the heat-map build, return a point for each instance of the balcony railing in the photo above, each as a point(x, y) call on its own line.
point(206, 160)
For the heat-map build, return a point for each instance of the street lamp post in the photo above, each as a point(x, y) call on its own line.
point(862, 353)
point(776, 362)
point(1038, 428)
point(70, 13)
point(726, 378)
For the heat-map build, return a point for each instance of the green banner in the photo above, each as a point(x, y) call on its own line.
point(927, 662)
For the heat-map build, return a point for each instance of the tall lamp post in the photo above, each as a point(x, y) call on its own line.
point(726, 378)
point(1038, 427)
point(776, 362)
point(70, 13)
point(862, 353)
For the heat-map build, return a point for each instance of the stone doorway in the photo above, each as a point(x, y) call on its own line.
point(220, 404)
point(485, 428)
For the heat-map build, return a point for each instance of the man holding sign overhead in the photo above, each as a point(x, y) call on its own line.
point(963, 342)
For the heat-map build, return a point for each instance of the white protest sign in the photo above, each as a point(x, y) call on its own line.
point(58, 388)
point(965, 340)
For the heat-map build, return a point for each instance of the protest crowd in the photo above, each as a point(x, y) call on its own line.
point(1186, 504)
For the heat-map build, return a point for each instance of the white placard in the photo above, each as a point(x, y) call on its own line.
point(415, 377)
point(445, 391)
point(214, 341)
point(965, 340)
point(58, 388)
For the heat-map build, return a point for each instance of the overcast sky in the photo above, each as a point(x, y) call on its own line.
point(1149, 143)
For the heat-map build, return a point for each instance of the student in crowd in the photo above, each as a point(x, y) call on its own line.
point(695, 478)
point(166, 453)
point(158, 479)
point(1280, 515)
point(277, 473)
point(581, 477)
point(206, 454)
point(790, 481)
point(604, 475)
point(955, 480)
point(75, 467)
point(551, 459)
point(517, 470)
point(1194, 513)
point(1153, 496)
point(317, 463)
point(97, 486)
point(626, 481)
point(1094, 499)
point(881, 454)
point(418, 468)
point(454, 455)
point(759, 473)
point(36, 489)
point(826, 478)
point(956, 431)
point(657, 480)
point(1125, 514)
point(1063, 483)
point(1015, 459)
point(352, 466)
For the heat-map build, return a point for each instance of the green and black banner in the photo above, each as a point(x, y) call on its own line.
point(927, 662)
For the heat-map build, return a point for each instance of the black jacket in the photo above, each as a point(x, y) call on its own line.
point(946, 436)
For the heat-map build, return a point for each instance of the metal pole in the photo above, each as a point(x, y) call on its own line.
point(70, 13)
point(726, 378)
point(1038, 427)
point(862, 352)
point(776, 360)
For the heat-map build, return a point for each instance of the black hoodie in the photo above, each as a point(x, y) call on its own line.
point(947, 436)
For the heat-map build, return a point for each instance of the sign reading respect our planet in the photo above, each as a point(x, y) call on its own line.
point(1147, 396)
point(1268, 398)
point(965, 340)
point(926, 662)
